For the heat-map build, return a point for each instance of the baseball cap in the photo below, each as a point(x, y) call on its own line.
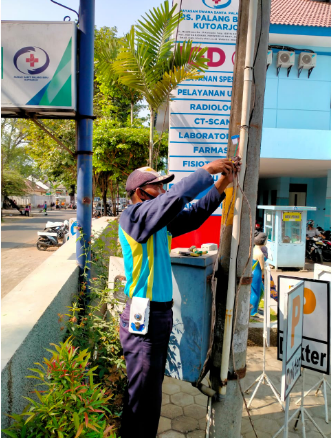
point(146, 175)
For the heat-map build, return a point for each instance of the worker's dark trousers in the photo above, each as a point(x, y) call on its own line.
point(145, 357)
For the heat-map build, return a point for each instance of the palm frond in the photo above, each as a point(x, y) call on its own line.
point(156, 30)
point(131, 64)
point(192, 58)
point(170, 81)
point(151, 63)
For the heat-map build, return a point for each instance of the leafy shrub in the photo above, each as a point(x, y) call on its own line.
point(69, 405)
point(98, 332)
point(92, 327)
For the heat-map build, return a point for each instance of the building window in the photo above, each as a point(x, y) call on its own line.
point(270, 225)
point(298, 194)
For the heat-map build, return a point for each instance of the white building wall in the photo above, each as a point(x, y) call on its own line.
point(36, 200)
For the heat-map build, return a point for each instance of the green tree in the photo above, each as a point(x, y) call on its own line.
point(57, 164)
point(117, 152)
point(152, 64)
point(16, 165)
point(13, 146)
point(12, 183)
point(114, 99)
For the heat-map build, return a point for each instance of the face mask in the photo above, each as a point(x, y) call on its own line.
point(147, 194)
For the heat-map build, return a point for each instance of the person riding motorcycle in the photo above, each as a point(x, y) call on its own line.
point(311, 231)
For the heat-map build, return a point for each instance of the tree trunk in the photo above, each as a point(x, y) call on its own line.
point(131, 113)
point(227, 411)
point(105, 197)
point(151, 138)
point(117, 198)
point(113, 197)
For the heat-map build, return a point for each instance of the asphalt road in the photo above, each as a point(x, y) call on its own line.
point(19, 254)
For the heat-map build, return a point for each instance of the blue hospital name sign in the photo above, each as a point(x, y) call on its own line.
point(200, 109)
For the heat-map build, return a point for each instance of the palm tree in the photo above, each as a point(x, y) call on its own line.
point(150, 62)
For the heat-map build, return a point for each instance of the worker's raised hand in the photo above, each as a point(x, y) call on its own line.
point(219, 166)
point(228, 169)
point(236, 161)
point(224, 166)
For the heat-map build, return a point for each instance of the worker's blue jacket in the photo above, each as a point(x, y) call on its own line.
point(146, 230)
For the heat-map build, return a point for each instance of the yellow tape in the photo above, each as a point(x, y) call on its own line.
point(228, 207)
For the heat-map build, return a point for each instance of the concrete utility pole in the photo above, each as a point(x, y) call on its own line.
point(84, 129)
point(226, 412)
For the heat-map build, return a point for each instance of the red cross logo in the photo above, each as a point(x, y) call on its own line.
point(216, 1)
point(32, 59)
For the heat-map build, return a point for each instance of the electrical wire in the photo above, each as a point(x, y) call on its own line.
point(289, 49)
point(214, 291)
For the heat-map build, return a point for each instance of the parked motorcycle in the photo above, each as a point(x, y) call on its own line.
point(47, 239)
point(61, 228)
point(96, 214)
point(314, 250)
point(327, 235)
point(326, 247)
point(51, 235)
point(327, 251)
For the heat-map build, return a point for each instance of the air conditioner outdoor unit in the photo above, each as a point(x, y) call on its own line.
point(285, 59)
point(307, 61)
point(269, 58)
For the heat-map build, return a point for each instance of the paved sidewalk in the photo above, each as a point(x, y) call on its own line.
point(184, 408)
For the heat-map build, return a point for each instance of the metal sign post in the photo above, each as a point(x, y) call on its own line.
point(292, 358)
point(84, 134)
point(300, 412)
point(322, 382)
point(264, 378)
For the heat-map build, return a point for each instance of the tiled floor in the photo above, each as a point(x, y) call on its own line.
point(184, 408)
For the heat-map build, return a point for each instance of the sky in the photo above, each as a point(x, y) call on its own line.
point(119, 13)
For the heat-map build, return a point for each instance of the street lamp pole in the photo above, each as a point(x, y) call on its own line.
point(84, 131)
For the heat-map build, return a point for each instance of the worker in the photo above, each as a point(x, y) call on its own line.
point(146, 229)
